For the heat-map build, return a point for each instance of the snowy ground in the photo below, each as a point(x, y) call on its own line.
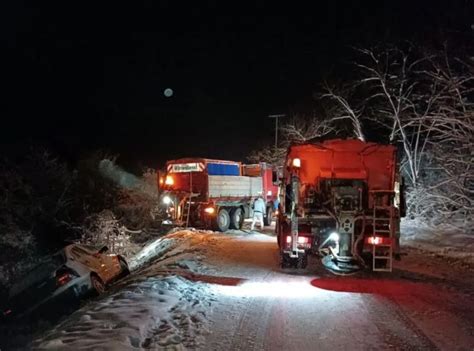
point(442, 240)
point(214, 291)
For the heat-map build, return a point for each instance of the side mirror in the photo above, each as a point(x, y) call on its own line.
point(103, 249)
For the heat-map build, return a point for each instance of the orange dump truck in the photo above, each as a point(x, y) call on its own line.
point(340, 200)
point(216, 194)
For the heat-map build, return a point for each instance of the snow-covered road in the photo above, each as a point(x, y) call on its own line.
point(215, 291)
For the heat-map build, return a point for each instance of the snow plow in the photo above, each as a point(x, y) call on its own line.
point(216, 194)
point(340, 200)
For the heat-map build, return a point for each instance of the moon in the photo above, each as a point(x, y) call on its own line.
point(168, 92)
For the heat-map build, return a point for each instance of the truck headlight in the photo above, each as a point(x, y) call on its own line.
point(169, 180)
point(210, 210)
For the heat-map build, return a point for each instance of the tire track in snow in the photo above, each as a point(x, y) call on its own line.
point(250, 332)
point(397, 330)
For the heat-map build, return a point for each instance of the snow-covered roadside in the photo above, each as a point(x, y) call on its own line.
point(441, 240)
point(156, 307)
point(179, 239)
point(155, 312)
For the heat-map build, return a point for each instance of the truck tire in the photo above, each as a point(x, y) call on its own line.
point(302, 262)
point(267, 220)
point(222, 220)
point(236, 218)
point(285, 261)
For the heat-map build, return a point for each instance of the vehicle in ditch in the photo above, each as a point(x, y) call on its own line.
point(68, 275)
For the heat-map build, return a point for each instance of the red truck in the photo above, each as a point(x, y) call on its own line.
point(216, 194)
point(340, 200)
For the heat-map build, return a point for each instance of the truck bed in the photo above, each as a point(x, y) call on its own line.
point(234, 186)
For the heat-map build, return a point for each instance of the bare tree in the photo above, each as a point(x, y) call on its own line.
point(421, 101)
point(387, 77)
point(301, 129)
point(268, 154)
point(342, 109)
point(298, 130)
point(451, 144)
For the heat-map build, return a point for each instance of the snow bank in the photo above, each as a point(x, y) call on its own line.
point(159, 312)
point(181, 240)
point(442, 239)
point(151, 251)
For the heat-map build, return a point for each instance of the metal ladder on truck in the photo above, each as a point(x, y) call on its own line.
point(383, 227)
point(185, 206)
point(187, 200)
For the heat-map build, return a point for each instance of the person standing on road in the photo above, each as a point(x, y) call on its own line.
point(258, 211)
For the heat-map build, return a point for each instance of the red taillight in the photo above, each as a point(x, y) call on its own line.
point(374, 240)
point(378, 240)
point(64, 278)
point(301, 239)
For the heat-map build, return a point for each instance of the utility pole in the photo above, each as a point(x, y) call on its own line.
point(276, 127)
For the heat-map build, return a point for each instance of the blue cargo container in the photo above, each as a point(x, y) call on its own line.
point(223, 169)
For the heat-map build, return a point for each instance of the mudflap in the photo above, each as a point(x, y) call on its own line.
point(340, 267)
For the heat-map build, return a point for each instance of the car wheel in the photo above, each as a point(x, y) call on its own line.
point(97, 284)
point(124, 267)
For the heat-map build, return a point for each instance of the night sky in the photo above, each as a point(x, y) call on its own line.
point(80, 77)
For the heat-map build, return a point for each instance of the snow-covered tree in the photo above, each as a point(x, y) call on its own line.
point(422, 101)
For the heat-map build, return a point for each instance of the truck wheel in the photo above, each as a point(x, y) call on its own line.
point(236, 218)
point(285, 261)
point(222, 220)
point(302, 262)
point(267, 220)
